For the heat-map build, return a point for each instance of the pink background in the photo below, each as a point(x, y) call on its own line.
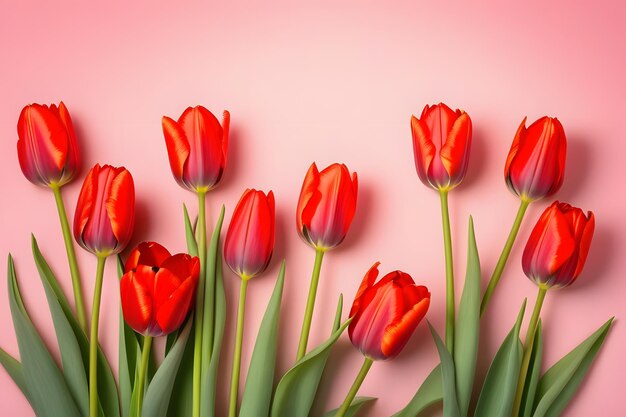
point(331, 83)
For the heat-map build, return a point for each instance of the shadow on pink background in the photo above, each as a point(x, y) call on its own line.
point(330, 83)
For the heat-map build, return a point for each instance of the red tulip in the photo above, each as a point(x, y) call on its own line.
point(157, 290)
point(558, 246)
point(327, 205)
point(441, 145)
point(536, 162)
point(250, 238)
point(47, 148)
point(385, 314)
point(197, 146)
point(105, 213)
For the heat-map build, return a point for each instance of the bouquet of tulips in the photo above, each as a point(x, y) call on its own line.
point(181, 297)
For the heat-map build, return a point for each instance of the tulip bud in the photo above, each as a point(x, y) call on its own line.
point(385, 314)
point(441, 145)
point(197, 146)
point(536, 162)
point(157, 289)
point(46, 148)
point(326, 206)
point(250, 238)
point(105, 212)
point(558, 246)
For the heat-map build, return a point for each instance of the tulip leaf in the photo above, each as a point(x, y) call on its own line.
point(559, 384)
point(450, 402)
point(468, 326)
point(160, 389)
point(16, 372)
point(257, 394)
point(354, 408)
point(428, 394)
point(498, 392)
point(192, 246)
point(532, 378)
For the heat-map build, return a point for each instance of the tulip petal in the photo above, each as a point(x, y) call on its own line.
point(455, 152)
point(120, 207)
point(173, 311)
point(423, 149)
point(177, 147)
point(225, 133)
point(519, 135)
point(368, 282)
point(397, 334)
point(72, 162)
point(136, 301)
point(309, 199)
point(86, 200)
point(146, 253)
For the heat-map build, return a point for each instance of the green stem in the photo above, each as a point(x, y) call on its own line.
point(310, 304)
point(143, 372)
point(367, 364)
point(71, 257)
point(199, 313)
point(504, 256)
point(447, 242)
point(528, 347)
point(93, 340)
point(234, 378)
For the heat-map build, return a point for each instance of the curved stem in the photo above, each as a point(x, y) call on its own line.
point(447, 242)
point(528, 347)
point(199, 313)
point(234, 377)
point(367, 364)
point(504, 256)
point(310, 304)
point(143, 371)
point(93, 340)
point(71, 258)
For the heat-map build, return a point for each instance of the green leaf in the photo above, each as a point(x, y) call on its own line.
point(532, 378)
point(160, 389)
point(47, 387)
point(16, 372)
point(428, 394)
point(297, 388)
point(559, 384)
point(356, 405)
point(192, 246)
point(468, 326)
point(498, 392)
point(450, 402)
point(257, 394)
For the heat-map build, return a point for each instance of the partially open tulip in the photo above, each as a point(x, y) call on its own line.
point(385, 314)
point(197, 146)
point(326, 206)
point(105, 213)
point(558, 246)
point(441, 144)
point(46, 148)
point(536, 163)
point(250, 238)
point(157, 289)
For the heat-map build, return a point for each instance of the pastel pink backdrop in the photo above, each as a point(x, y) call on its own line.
point(330, 83)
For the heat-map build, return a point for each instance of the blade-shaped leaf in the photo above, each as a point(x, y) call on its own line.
point(15, 371)
point(450, 402)
point(192, 245)
point(559, 384)
point(356, 405)
point(257, 394)
point(532, 378)
point(428, 394)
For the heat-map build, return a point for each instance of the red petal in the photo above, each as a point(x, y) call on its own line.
point(423, 149)
point(177, 147)
point(120, 206)
point(172, 312)
point(309, 199)
point(398, 333)
point(455, 152)
point(85, 203)
point(146, 253)
point(136, 300)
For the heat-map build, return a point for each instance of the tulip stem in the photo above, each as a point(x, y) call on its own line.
point(197, 349)
point(447, 241)
point(234, 377)
point(143, 371)
point(504, 256)
point(367, 364)
point(310, 304)
point(71, 257)
point(93, 340)
point(528, 347)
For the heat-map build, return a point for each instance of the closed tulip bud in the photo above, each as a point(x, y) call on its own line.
point(385, 314)
point(197, 146)
point(157, 289)
point(536, 163)
point(558, 246)
point(441, 144)
point(105, 212)
point(250, 238)
point(326, 206)
point(46, 148)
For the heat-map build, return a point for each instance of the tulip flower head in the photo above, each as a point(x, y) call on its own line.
point(536, 163)
point(441, 144)
point(157, 289)
point(558, 246)
point(326, 206)
point(385, 314)
point(47, 148)
point(250, 238)
point(197, 146)
point(105, 212)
